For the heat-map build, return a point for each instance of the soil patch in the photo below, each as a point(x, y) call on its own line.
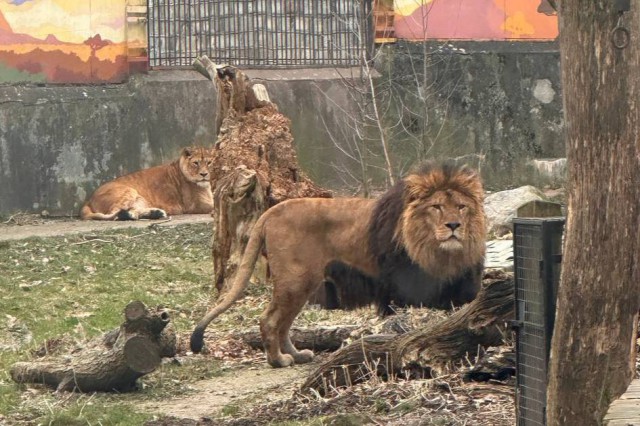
point(27, 226)
point(240, 386)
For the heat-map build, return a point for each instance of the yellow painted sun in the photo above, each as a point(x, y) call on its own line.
point(518, 25)
point(407, 7)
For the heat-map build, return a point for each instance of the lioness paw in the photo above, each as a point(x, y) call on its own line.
point(157, 214)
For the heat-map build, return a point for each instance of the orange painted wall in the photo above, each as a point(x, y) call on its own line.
point(63, 41)
point(475, 20)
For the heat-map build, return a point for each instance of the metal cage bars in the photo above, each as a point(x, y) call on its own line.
point(259, 33)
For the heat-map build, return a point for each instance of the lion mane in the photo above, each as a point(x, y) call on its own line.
point(426, 232)
point(180, 187)
point(413, 271)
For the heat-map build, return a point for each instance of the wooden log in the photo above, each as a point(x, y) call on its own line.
point(112, 362)
point(421, 352)
point(316, 339)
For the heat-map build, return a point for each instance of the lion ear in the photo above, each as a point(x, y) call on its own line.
point(187, 151)
point(415, 187)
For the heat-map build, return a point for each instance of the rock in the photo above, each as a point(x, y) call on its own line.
point(526, 201)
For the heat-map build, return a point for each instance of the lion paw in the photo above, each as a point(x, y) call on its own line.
point(284, 360)
point(157, 214)
point(303, 356)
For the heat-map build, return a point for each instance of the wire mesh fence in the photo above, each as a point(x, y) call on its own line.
point(537, 250)
point(259, 33)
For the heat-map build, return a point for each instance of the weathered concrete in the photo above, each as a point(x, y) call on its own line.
point(494, 105)
point(321, 108)
point(499, 103)
point(57, 144)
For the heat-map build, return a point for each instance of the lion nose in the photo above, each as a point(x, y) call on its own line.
point(204, 174)
point(452, 225)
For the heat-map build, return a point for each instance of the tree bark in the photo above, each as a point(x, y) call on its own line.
point(255, 165)
point(238, 202)
point(420, 353)
point(112, 362)
point(593, 345)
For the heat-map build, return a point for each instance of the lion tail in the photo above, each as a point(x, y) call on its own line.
point(87, 214)
point(240, 283)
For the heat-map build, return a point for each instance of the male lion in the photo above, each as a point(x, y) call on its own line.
point(179, 187)
point(432, 221)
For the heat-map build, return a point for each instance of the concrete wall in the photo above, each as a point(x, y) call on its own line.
point(497, 106)
point(57, 144)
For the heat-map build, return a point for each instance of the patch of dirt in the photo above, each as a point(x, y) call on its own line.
point(238, 387)
point(23, 226)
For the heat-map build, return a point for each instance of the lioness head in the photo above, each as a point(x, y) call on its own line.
point(442, 222)
point(195, 163)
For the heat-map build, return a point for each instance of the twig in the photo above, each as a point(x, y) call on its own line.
point(156, 223)
point(91, 241)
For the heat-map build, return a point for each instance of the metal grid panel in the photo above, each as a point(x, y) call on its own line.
point(531, 345)
point(257, 33)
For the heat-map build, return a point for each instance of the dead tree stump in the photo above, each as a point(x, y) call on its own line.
point(255, 164)
point(112, 362)
point(418, 353)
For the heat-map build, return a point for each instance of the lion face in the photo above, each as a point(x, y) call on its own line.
point(447, 212)
point(443, 219)
point(195, 163)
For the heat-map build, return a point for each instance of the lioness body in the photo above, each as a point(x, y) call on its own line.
point(179, 187)
point(303, 236)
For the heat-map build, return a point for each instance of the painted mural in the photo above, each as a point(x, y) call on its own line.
point(63, 41)
point(475, 20)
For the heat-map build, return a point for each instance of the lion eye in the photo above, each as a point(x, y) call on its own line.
point(196, 163)
point(437, 207)
point(462, 207)
point(208, 163)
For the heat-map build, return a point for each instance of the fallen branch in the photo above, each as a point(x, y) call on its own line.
point(316, 339)
point(417, 353)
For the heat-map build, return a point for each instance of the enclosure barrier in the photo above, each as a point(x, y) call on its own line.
point(259, 33)
point(537, 249)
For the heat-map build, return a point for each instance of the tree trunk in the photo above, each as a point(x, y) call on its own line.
point(112, 362)
point(417, 353)
point(255, 164)
point(593, 345)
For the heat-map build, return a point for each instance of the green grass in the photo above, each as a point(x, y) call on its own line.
point(76, 287)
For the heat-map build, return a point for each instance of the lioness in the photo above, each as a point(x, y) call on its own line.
point(179, 187)
point(434, 215)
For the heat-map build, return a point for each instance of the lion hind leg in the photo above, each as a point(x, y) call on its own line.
point(269, 326)
point(299, 356)
point(141, 209)
point(286, 303)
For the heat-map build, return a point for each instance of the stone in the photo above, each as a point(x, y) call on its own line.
point(525, 201)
